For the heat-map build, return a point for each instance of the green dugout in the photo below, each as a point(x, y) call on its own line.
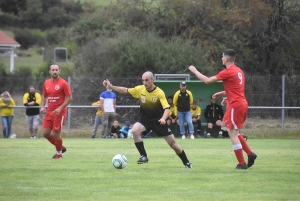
point(201, 92)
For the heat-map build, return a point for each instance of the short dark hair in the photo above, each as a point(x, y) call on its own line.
point(230, 53)
point(170, 97)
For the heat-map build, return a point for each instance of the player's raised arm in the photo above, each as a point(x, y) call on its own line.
point(119, 89)
point(205, 79)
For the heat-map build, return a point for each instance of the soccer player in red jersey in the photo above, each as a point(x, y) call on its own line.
point(234, 84)
point(57, 93)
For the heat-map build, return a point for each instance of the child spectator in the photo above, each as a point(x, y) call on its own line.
point(115, 130)
point(125, 129)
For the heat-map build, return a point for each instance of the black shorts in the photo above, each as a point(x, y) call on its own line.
point(159, 129)
point(213, 120)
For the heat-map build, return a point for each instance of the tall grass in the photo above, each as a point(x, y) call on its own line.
point(28, 172)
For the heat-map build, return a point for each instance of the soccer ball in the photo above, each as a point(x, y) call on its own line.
point(119, 161)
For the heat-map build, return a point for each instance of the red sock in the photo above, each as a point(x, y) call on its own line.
point(239, 156)
point(245, 146)
point(58, 144)
point(51, 139)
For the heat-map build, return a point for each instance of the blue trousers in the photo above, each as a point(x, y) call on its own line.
point(98, 122)
point(6, 125)
point(187, 116)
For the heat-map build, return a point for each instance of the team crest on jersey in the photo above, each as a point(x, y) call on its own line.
point(143, 99)
point(154, 99)
point(56, 87)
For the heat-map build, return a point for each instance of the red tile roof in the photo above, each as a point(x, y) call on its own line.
point(5, 40)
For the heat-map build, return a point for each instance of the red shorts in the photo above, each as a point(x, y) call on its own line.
point(235, 117)
point(54, 122)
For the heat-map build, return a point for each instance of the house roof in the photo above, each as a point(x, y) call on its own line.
point(7, 41)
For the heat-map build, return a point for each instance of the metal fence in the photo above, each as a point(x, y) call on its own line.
point(271, 99)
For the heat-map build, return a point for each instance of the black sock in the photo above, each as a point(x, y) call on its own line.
point(183, 157)
point(140, 147)
point(209, 130)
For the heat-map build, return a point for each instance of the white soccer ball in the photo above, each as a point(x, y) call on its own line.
point(119, 161)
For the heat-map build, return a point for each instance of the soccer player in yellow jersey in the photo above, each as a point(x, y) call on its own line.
point(154, 110)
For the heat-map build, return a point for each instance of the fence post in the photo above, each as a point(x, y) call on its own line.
point(69, 110)
point(282, 110)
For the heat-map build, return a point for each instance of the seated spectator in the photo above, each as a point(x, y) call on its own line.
point(172, 118)
point(213, 114)
point(115, 130)
point(125, 129)
point(196, 113)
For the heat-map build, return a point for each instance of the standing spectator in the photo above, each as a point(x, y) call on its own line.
point(32, 98)
point(213, 114)
point(7, 113)
point(115, 130)
point(154, 110)
point(172, 118)
point(98, 118)
point(57, 92)
point(108, 107)
point(183, 100)
point(125, 130)
point(237, 106)
point(196, 117)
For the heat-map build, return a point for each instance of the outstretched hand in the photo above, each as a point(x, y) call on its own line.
point(193, 69)
point(107, 83)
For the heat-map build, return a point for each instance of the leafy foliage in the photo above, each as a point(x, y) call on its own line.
point(132, 53)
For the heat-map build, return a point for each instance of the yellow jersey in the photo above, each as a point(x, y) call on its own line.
point(196, 112)
point(152, 103)
point(99, 111)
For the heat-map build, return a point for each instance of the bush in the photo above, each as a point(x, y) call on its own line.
point(24, 37)
point(132, 53)
point(9, 20)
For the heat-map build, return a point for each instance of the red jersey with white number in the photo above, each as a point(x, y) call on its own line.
point(56, 92)
point(234, 84)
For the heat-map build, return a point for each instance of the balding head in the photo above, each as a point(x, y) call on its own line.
point(148, 80)
point(148, 74)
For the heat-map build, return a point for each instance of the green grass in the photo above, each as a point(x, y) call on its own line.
point(27, 171)
point(33, 61)
point(99, 2)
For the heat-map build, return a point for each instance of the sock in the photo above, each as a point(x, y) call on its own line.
point(58, 145)
point(239, 153)
point(140, 147)
point(209, 130)
point(51, 139)
point(245, 146)
point(183, 157)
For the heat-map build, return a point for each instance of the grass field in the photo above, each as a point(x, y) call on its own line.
point(99, 2)
point(28, 172)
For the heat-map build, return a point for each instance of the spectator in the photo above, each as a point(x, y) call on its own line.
point(196, 114)
point(213, 114)
point(98, 118)
point(183, 99)
point(7, 112)
point(172, 118)
point(108, 107)
point(115, 130)
point(32, 98)
point(125, 130)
